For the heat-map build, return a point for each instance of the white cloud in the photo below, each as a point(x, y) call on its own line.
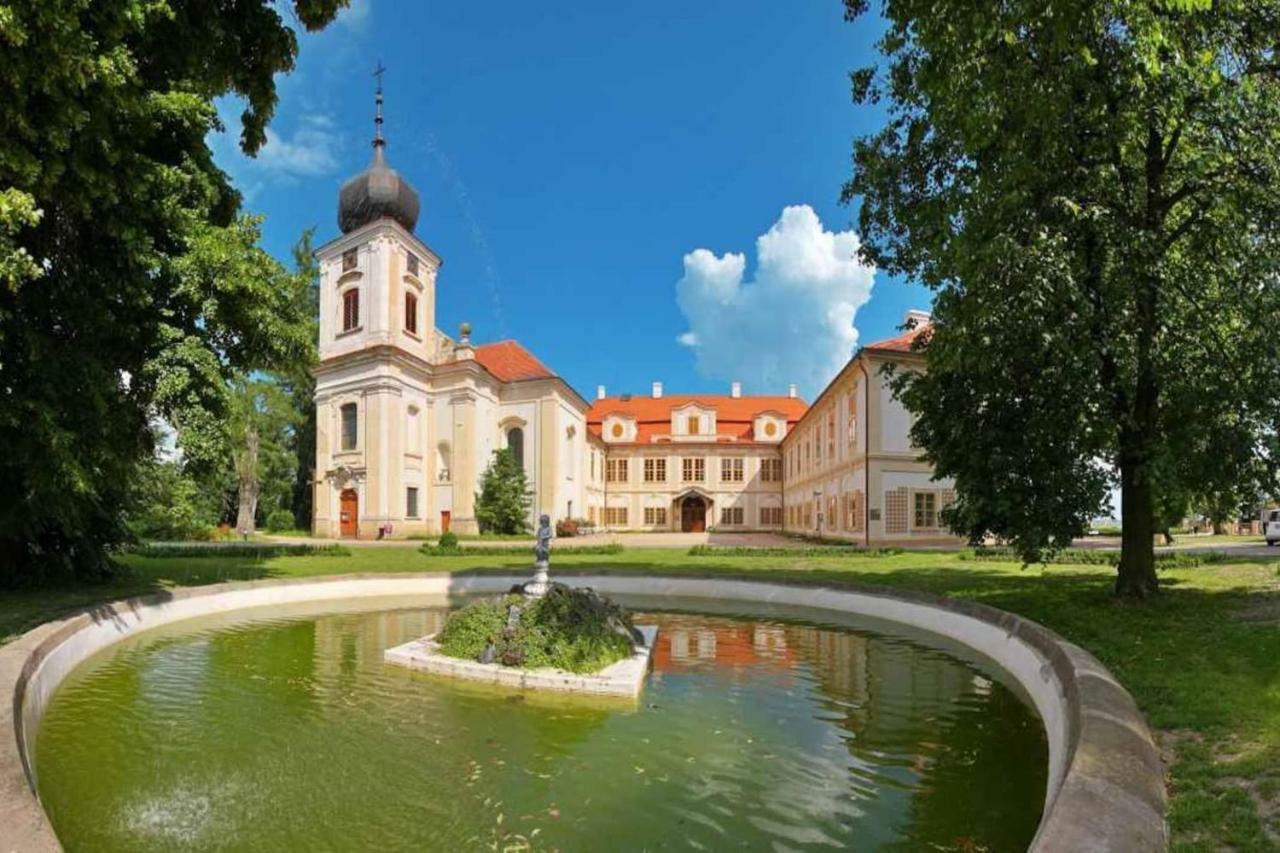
point(354, 17)
point(312, 150)
point(793, 322)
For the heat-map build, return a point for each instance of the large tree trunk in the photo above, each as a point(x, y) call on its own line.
point(249, 486)
point(1137, 571)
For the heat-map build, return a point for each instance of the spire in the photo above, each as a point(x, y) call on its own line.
point(378, 142)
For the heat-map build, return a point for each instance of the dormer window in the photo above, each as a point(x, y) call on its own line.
point(413, 264)
point(691, 425)
point(349, 258)
point(351, 309)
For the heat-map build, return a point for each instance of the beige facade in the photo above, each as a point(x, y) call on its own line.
point(851, 471)
point(689, 462)
point(407, 417)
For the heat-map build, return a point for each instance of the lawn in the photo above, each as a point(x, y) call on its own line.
point(1203, 660)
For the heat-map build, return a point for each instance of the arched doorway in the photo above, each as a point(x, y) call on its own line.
point(349, 513)
point(693, 514)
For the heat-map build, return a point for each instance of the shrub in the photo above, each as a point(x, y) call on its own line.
point(441, 550)
point(279, 519)
point(249, 550)
point(571, 629)
point(566, 527)
point(448, 539)
point(809, 551)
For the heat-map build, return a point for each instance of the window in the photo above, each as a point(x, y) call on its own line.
point(731, 515)
point(412, 264)
point(411, 502)
point(411, 313)
point(731, 469)
point(693, 469)
point(851, 425)
point(831, 435)
point(895, 511)
point(351, 309)
point(615, 470)
point(655, 515)
point(691, 425)
point(655, 470)
point(592, 514)
point(515, 443)
point(348, 411)
point(615, 516)
point(770, 516)
point(926, 509)
point(349, 258)
point(771, 470)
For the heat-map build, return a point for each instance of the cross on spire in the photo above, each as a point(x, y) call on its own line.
point(378, 141)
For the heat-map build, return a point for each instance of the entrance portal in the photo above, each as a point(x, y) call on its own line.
point(349, 513)
point(693, 514)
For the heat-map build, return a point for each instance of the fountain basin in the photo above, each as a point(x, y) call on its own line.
point(1104, 787)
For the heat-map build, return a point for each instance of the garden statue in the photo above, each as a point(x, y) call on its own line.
point(541, 558)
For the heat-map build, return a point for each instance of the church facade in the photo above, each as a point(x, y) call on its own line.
point(408, 418)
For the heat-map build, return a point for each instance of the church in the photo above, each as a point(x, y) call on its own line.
point(408, 417)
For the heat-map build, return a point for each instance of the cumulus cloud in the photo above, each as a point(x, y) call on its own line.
point(312, 150)
point(792, 322)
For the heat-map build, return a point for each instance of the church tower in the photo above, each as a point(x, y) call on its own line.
point(407, 418)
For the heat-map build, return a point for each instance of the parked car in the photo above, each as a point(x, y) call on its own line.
point(1271, 525)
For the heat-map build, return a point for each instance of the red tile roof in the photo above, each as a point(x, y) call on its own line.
point(734, 415)
point(510, 362)
point(902, 342)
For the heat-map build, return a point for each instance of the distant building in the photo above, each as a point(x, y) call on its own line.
point(849, 468)
point(408, 418)
point(689, 462)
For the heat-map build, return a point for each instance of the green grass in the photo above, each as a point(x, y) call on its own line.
point(1203, 660)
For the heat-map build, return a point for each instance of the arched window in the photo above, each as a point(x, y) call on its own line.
point(350, 309)
point(411, 313)
point(349, 422)
point(515, 443)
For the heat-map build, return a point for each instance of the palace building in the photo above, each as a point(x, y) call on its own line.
point(408, 418)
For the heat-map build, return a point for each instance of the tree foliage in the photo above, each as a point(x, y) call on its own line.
point(502, 506)
point(129, 286)
point(1092, 188)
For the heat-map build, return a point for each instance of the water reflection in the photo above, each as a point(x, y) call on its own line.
point(291, 733)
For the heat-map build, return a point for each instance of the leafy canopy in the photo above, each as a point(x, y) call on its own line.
point(130, 288)
point(1092, 188)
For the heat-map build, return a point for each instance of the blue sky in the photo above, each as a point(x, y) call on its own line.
point(573, 157)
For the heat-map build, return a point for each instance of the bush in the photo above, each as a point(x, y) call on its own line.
point(809, 551)
point(249, 550)
point(448, 539)
point(279, 519)
point(441, 550)
point(566, 527)
point(571, 629)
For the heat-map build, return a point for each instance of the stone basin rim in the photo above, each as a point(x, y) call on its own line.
point(1105, 790)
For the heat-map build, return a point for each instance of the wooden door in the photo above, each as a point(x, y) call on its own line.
point(693, 515)
point(444, 520)
point(349, 513)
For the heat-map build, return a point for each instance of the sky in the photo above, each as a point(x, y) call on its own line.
point(636, 193)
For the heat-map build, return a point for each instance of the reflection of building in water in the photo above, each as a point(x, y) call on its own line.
point(838, 659)
point(688, 643)
point(347, 643)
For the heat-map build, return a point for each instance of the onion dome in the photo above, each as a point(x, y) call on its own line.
point(379, 190)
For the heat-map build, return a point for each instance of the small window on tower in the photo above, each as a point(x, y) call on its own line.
point(349, 258)
point(411, 313)
point(413, 264)
point(351, 309)
point(348, 412)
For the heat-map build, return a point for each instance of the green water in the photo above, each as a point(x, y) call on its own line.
point(288, 732)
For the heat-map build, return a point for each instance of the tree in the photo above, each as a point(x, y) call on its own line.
point(1092, 190)
point(301, 385)
point(129, 287)
point(502, 506)
point(262, 424)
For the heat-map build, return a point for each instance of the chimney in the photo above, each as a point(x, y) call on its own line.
point(600, 395)
point(657, 390)
point(916, 318)
point(735, 390)
point(791, 391)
